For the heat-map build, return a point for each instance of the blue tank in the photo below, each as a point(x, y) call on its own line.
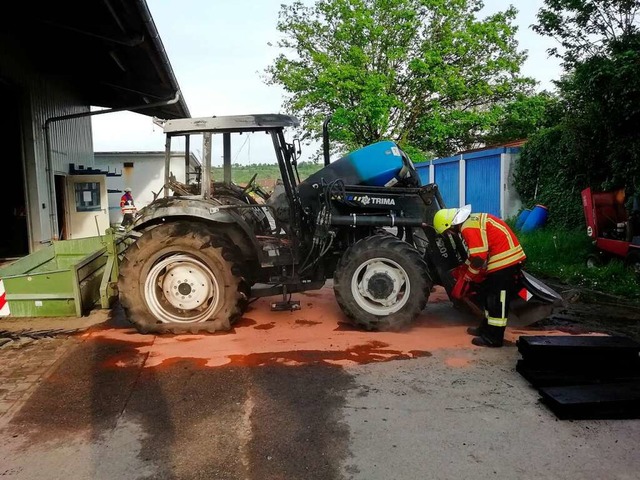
point(377, 165)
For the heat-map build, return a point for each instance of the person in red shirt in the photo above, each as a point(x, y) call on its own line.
point(128, 208)
point(493, 267)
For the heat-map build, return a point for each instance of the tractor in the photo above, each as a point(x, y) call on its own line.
point(202, 251)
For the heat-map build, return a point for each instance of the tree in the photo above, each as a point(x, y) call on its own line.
point(524, 116)
point(427, 73)
point(548, 173)
point(596, 143)
point(585, 28)
point(604, 92)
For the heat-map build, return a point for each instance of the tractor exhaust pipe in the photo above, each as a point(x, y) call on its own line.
point(325, 140)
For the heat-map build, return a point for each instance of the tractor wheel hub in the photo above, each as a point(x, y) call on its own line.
point(380, 286)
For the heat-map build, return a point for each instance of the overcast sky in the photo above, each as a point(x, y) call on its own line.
point(219, 49)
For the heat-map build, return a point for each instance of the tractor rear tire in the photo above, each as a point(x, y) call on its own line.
point(181, 277)
point(381, 283)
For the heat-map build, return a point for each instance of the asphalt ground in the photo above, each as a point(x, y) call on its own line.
point(295, 395)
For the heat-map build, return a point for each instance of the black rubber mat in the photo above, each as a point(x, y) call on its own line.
point(582, 377)
point(541, 376)
point(613, 400)
point(581, 352)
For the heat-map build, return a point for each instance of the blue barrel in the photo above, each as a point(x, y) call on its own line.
point(522, 218)
point(536, 219)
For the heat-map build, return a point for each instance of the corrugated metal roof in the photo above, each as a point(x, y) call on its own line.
point(108, 51)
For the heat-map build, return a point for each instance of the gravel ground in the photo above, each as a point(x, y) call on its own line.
point(587, 310)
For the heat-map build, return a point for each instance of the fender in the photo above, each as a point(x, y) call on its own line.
point(170, 209)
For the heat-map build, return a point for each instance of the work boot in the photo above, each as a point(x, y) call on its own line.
point(484, 342)
point(477, 331)
point(474, 331)
point(491, 336)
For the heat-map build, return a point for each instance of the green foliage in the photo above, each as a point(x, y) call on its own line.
point(561, 254)
point(548, 173)
point(596, 143)
point(415, 154)
point(267, 173)
point(424, 73)
point(586, 28)
point(603, 110)
point(524, 116)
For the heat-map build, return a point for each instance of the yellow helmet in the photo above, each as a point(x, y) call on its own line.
point(447, 217)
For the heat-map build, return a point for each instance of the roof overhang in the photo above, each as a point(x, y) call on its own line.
point(230, 123)
point(108, 51)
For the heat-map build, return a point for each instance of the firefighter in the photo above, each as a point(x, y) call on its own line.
point(493, 267)
point(128, 208)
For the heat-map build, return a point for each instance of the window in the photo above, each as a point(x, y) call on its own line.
point(87, 197)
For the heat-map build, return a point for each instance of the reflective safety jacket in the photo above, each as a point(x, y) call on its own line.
point(126, 201)
point(491, 245)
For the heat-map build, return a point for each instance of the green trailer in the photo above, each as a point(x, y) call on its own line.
point(67, 278)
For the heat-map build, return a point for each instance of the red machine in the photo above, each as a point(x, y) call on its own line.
point(615, 233)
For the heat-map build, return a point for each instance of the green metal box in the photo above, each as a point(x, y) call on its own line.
point(67, 278)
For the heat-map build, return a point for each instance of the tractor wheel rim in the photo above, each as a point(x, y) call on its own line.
point(181, 289)
point(374, 301)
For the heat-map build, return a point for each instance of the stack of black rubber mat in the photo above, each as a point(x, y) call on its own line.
point(582, 377)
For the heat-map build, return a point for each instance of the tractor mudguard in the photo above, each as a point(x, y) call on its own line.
point(168, 209)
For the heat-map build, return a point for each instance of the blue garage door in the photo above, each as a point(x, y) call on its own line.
point(482, 182)
point(448, 181)
point(423, 172)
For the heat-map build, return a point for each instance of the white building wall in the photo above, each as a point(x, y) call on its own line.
point(511, 200)
point(145, 178)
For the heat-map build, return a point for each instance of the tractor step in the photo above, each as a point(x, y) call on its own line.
point(286, 305)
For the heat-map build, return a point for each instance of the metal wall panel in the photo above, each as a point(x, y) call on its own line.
point(482, 182)
point(70, 140)
point(423, 172)
point(447, 177)
point(482, 178)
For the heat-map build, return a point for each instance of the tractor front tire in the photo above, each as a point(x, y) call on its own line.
point(381, 283)
point(181, 277)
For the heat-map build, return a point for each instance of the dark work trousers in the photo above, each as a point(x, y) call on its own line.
point(127, 220)
point(495, 294)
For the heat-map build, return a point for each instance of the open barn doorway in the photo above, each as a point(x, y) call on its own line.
point(13, 206)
